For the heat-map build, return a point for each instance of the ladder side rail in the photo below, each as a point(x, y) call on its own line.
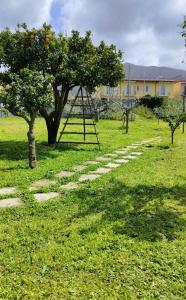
point(89, 102)
point(68, 117)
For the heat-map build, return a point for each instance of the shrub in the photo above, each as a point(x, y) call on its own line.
point(151, 102)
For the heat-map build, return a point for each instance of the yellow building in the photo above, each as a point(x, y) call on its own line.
point(141, 81)
point(135, 89)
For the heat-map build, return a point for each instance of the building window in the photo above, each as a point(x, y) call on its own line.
point(138, 88)
point(128, 90)
point(183, 89)
point(146, 88)
point(111, 91)
point(163, 91)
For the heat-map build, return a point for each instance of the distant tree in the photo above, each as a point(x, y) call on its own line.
point(24, 96)
point(72, 61)
point(151, 102)
point(125, 110)
point(184, 28)
point(171, 112)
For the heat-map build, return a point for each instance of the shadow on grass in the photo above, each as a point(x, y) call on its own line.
point(18, 150)
point(139, 212)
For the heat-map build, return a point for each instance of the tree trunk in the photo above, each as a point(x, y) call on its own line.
point(31, 144)
point(52, 128)
point(172, 137)
point(53, 119)
point(127, 121)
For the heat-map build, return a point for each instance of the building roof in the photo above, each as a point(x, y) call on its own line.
point(151, 73)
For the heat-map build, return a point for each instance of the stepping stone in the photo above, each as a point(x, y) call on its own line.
point(64, 174)
point(131, 156)
point(101, 171)
point(69, 186)
point(79, 168)
point(8, 190)
point(112, 165)
point(88, 177)
point(90, 162)
point(136, 153)
point(111, 155)
point(40, 183)
point(120, 151)
point(10, 202)
point(102, 158)
point(121, 161)
point(40, 197)
point(132, 147)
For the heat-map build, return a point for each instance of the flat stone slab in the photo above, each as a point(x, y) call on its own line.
point(79, 168)
point(70, 186)
point(64, 174)
point(101, 171)
point(132, 147)
point(112, 165)
point(40, 197)
point(90, 162)
point(111, 155)
point(131, 156)
point(103, 158)
point(121, 151)
point(88, 177)
point(121, 161)
point(136, 153)
point(8, 190)
point(40, 183)
point(10, 202)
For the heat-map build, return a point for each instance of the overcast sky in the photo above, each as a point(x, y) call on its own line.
point(147, 31)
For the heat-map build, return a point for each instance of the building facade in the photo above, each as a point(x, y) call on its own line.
point(135, 89)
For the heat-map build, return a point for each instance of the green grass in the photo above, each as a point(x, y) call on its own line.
point(119, 237)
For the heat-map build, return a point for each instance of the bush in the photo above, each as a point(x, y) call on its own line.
point(151, 102)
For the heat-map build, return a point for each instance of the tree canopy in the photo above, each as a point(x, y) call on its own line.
point(72, 61)
point(24, 96)
point(171, 112)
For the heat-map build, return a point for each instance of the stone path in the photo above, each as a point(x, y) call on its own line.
point(88, 177)
point(10, 202)
point(41, 183)
point(45, 196)
point(108, 162)
point(64, 174)
point(8, 191)
point(69, 186)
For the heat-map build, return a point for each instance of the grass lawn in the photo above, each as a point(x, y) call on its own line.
point(119, 237)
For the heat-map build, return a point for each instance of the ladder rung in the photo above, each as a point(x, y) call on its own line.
point(69, 123)
point(89, 143)
point(81, 97)
point(81, 105)
point(72, 132)
point(81, 116)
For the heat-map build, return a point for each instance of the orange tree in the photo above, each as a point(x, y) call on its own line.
point(72, 61)
point(25, 94)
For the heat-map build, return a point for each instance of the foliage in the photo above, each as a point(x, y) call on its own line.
point(151, 102)
point(72, 61)
point(26, 93)
point(144, 111)
point(119, 237)
point(171, 112)
point(184, 28)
